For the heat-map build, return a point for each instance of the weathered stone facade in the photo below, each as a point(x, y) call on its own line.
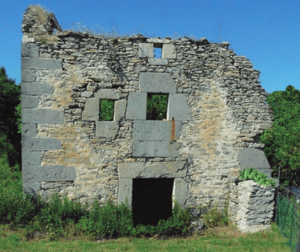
point(216, 113)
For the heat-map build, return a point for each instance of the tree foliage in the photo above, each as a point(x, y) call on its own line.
point(106, 110)
point(282, 141)
point(9, 100)
point(157, 106)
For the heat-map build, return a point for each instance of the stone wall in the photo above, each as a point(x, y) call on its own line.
point(216, 113)
point(251, 206)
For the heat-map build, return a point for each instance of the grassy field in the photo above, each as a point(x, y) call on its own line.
point(214, 239)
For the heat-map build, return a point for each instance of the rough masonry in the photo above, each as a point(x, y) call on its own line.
point(216, 113)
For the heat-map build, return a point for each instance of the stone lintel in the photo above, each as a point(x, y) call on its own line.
point(157, 83)
point(157, 61)
point(108, 94)
point(158, 41)
point(173, 169)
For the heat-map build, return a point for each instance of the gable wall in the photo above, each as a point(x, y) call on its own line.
point(67, 150)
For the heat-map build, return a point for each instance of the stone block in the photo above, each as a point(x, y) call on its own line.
point(158, 41)
point(145, 50)
point(29, 50)
point(38, 143)
point(180, 191)
point(178, 108)
point(32, 188)
point(107, 129)
point(157, 62)
point(48, 173)
point(173, 169)
point(169, 51)
point(155, 149)
point(42, 116)
point(151, 130)
point(36, 88)
point(125, 191)
point(29, 130)
point(108, 94)
point(137, 106)
point(250, 157)
point(28, 75)
point(91, 110)
point(157, 83)
point(120, 108)
point(87, 94)
point(41, 63)
point(31, 158)
point(28, 101)
point(143, 148)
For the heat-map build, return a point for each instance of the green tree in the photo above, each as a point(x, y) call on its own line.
point(9, 100)
point(157, 106)
point(282, 141)
point(106, 110)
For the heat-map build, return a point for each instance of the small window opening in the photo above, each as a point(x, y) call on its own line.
point(106, 110)
point(157, 105)
point(157, 51)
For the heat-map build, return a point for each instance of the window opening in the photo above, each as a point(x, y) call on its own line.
point(157, 105)
point(157, 51)
point(106, 110)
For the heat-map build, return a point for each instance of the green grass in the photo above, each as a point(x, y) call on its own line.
point(214, 239)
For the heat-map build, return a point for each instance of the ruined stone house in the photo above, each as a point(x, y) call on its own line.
point(215, 115)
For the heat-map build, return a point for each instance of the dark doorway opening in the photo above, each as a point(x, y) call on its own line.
point(151, 200)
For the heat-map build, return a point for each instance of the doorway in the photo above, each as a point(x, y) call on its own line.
point(151, 200)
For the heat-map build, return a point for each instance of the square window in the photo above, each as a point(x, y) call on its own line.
point(157, 105)
point(106, 110)
point(157, 51)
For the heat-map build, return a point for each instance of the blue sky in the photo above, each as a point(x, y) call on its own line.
point(267, 32)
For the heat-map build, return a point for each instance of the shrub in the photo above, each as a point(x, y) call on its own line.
point(215, 218)
point(257, 176)
point(14, 206)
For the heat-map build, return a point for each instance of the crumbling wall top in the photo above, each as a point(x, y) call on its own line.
point(38, 21)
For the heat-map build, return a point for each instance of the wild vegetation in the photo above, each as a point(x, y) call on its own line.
point(257, 176)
